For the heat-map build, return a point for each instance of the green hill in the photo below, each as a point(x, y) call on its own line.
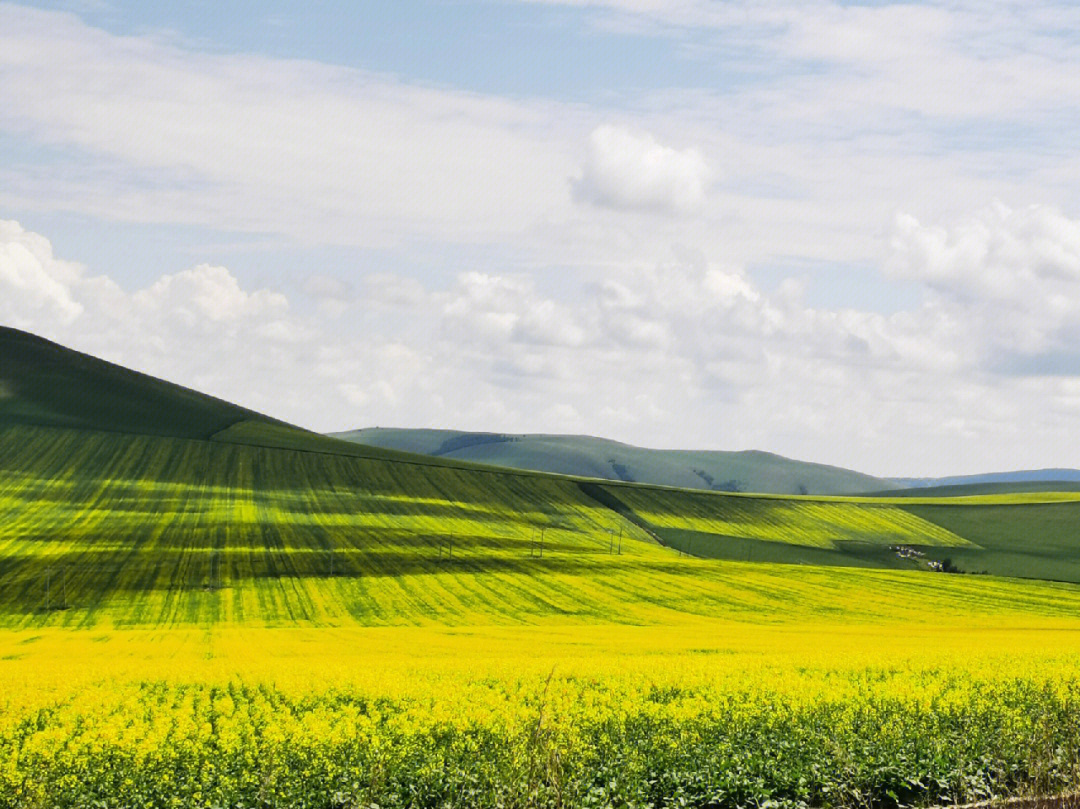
point(985, 488)
point(106, 530)
point(1029, 535)
point(156, 506)
point(46, 384)
point(1017, 480)
point(585, 456)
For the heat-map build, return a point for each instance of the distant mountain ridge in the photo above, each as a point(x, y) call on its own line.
point(587, 456)
point(714, 470)
point(1058, 475)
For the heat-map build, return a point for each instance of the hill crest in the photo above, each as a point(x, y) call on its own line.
point(592, 457)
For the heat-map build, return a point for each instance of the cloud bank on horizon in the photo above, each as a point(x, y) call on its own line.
point(843, 233)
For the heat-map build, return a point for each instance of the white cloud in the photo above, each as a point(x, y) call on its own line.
point(815, 145)
point(843, 67)
point(33, 284)
point(179, 327)
point(688, 353)
point(632, 170)
point(1000, 253)
point(496, 310)
point(1008, 280)
point(207, 293)
point(324, 286)
point(392, 290)
point(316, 152)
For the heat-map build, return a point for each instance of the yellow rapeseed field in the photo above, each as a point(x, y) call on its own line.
point(198, 624)
point(709, 712)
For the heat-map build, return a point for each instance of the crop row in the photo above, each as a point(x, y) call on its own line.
point(813, 523)
point(103, 530)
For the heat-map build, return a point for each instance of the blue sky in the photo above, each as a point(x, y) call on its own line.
point(503, 48)
point(843, 232)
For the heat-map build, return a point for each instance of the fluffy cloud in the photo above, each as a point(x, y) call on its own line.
point(839, 116)
point(1009, 281)
point(499, 310)
point(39, 291)
point(210, 294)
point(686, 353)
point(1000, 253)
point(632, 170)
point(178, 327)
point(34, 283)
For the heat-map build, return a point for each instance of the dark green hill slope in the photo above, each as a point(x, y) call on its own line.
point(46, 384)
point(585, 456)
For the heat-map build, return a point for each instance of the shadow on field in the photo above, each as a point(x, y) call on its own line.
point(99, 546)
point(33, 583)
point(110, 468)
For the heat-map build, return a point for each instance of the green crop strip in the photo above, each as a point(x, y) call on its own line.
point(110, 530)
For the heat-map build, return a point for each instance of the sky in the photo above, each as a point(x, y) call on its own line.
point(842, 232)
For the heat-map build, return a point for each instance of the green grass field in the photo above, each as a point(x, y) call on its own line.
point(103, 529)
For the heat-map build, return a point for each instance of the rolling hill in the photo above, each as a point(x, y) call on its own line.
point(586, 456)
point(997, 488)
point(1019, 480)
point(45, 384)
point(127, 501)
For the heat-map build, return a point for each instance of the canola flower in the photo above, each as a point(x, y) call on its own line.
point(702, 714)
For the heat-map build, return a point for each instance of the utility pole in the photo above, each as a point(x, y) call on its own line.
point(536, 542)
point(214, 574)
point(47, 572)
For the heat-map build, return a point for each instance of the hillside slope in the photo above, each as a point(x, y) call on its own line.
point(46, 384)
point(260, 523)
point(586, 456)
point(1019, 480)
point(1026, 535)
point(106, 530)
